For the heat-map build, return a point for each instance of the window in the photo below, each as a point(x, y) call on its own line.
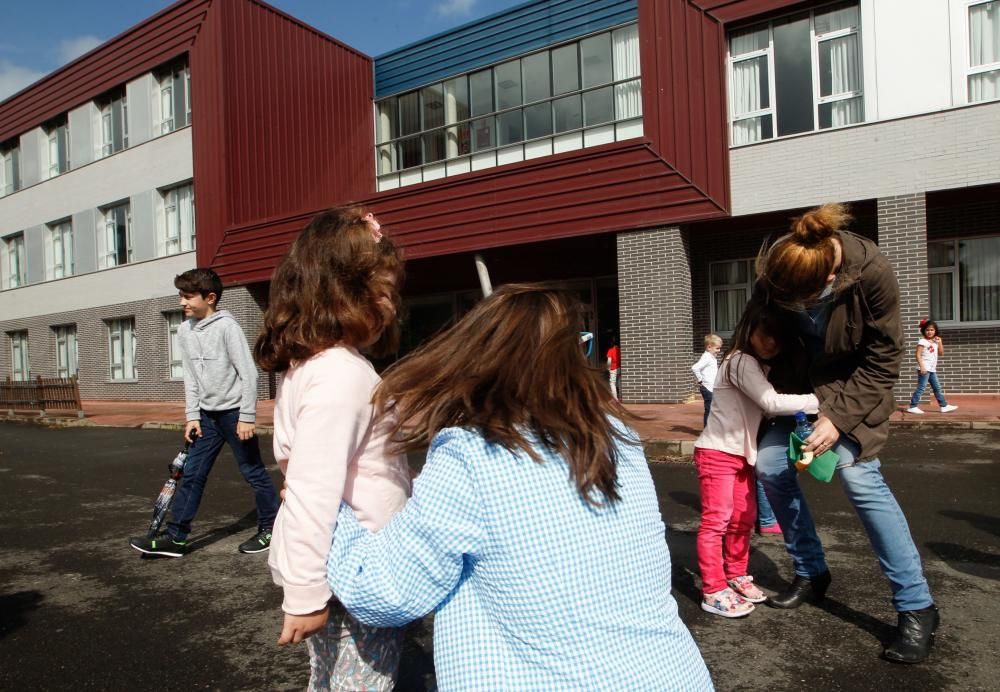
point(121, 348)
point(174, 320)
point(984, 51)
point(593, 82)
point(796, 74)
point(117, 238)
point(58, 147)
point(178, 219)
point(19, 363)
point(59, 250)
point(15, 268)
point(10, 170)
point(67, 358)
point(963, 277)
point(114, 122)
point(731, 284)
point(175, 98)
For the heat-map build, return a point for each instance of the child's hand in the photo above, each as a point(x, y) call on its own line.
point(245, 430)
point(298, 628)
point(192, 430)
point(923, 372)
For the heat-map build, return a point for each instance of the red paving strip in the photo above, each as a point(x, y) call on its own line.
point(663, 422)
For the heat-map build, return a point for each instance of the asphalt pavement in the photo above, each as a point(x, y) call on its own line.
point(81, 610)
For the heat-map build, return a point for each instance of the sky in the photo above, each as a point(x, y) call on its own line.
point(39, 37)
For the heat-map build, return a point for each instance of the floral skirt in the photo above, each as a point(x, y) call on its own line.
point(346, 655)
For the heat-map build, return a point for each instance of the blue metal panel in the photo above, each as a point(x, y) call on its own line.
point(506, 34)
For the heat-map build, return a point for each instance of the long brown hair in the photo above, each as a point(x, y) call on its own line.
point(758, 314)
point(513, 367)
point(336, 284)
point(796, 267)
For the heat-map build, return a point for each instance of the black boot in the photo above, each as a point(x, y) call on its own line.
point(914, 636)
point(802, 590)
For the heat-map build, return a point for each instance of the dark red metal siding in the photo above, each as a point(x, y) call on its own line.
point(734, 10)
point(677, 173)
point(290, 126)
point(153, 42)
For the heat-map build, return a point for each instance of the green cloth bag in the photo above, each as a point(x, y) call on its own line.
point(822, 467)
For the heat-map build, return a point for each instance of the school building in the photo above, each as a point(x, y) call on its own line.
point(639, 151)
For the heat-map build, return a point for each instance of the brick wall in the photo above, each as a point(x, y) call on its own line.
point(902, 236)
point(153, 381)
point(654, 294)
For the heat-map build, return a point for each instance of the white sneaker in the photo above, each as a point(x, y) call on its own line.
point(916, 409)
point(948, 409)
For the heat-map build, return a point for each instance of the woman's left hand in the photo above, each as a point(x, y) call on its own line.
point(823, 438)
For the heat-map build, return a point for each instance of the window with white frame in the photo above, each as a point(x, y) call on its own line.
point(116, 245)
point(10, 170)
point(121, 348)
point(178, 219)
point(963, 277)
point(984, 51)
point(174, 321)
point(67, 357)
point(20, 364)
point(58, 145)
point(578, 94)
point(59, 250)
point(15, 267)
point(114, 122)
point(175, 98)
point(796, 74)
point(730, 286)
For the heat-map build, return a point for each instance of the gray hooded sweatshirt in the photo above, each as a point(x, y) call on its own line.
point(219, 372)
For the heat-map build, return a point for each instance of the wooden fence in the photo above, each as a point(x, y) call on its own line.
point(41, 394)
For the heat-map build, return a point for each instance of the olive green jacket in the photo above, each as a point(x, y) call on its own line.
point(854, 376)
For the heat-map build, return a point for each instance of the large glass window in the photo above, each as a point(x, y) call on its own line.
point(593, 82)
point(964, 279)
point(114, 122)
point(19, 362)
point(121, 348)
point(58, 146)
point(175, 97)
point(731, 283)
point(174, 320)
point(67, 357)
point(10, 169)
point(117, 237)
point(15, 267)
point(984, 51)
point(59, 248)
point(178, 219)
point(796, 74)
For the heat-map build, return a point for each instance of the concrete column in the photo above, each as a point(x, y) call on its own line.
point(902, 237)
point(654, 293)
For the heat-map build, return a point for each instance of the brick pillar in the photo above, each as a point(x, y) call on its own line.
point(902, 237)
point(654, 294)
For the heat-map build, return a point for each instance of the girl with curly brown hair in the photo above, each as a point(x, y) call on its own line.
point(334, 295)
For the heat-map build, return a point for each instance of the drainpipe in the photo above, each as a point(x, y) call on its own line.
point(484, 275)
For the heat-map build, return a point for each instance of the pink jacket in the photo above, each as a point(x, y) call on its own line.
point(330, 447)
point(738, 407)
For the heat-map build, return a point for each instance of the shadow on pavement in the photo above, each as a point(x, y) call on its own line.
point(14, 608)
point(977, 521)
point(247, 522)
point(688, 499)
point(968, 560)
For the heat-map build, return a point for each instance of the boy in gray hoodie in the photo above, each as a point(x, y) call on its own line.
point(220, 392)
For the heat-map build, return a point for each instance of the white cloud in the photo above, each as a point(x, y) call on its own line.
point(72, 48)
point(454, 7)
point(13, 78)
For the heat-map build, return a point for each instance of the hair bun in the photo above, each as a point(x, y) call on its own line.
point(818, 224)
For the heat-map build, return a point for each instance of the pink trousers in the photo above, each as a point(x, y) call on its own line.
point(728, 513)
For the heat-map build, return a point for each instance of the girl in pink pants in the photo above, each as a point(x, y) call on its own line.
point(725, 454)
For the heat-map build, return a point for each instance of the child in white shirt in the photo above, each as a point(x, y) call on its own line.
point(706, 369)
point(929, 349)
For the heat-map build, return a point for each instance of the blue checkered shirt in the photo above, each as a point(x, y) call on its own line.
point(534, 589)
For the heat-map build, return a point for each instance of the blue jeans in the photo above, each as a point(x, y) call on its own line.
point(873, 501)
point(922, 384)
point(765, 515)
point(218, 428)
point(706, 394)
